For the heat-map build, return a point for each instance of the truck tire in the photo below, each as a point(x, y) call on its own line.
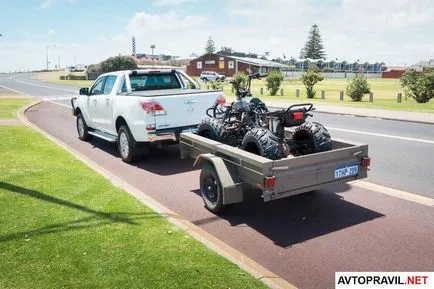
point(211, 189)
point(311, 137)
point(127, 145)
point(82, 128)
point(261, 141)
point(214, 129)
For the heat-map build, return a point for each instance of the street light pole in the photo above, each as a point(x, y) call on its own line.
point(46, 50)
point(153, 60)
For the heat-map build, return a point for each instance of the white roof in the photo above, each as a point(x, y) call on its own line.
point(259, 62)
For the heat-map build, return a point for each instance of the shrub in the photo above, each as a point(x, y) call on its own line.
point(117, 63)
point(419, 85)
point(309, 79)
point(358, 87)
point(216, 85)
point(239, 80)
point(274, 79)
point(328, 69)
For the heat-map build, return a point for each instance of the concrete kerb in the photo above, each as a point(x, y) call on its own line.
point(270, 279)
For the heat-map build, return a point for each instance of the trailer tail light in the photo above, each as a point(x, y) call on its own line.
point(298, 115)
point(220, 100)
point(366, 162)
point(152, 107)
point(269, 182)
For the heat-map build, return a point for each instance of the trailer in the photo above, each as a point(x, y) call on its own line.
point(226, 170)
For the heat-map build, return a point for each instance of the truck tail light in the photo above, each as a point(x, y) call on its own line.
point(269, 182)
point(366, 162)
point(150, 127)
point(152, 107)
point(220, 100)
point(297, 115)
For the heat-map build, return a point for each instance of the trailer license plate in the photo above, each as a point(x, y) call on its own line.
point(347, 171)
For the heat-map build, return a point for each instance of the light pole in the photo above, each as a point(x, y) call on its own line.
point(46, 50)
point(153, 60)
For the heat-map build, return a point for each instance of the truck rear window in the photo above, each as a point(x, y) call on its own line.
point(154, 81)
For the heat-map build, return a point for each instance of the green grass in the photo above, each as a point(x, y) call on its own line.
point(10, 106)
point(64, 226)
point(385, 92)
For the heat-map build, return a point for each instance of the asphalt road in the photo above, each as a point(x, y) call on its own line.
point(402, 152)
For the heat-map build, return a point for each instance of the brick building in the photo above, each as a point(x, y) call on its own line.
point(229, 65)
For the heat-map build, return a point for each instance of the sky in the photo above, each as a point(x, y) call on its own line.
point(398, 32)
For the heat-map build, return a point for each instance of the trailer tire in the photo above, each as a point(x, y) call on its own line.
point(314, 137)
point(261, 141)
point(214, 129)
point(82, 128)
point(211, 189)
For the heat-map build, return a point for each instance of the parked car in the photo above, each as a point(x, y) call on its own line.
point(212, 76)
point(134, 108)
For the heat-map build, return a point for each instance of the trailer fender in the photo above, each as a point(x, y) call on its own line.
point(231, 185)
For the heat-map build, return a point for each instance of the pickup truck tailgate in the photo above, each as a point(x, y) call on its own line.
point(184, 109)
point(341, 164)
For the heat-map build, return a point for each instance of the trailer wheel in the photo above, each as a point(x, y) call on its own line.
point(261, 141)
point(214, 129)
point(211, 189)
point(82, 128)
point(311, 137)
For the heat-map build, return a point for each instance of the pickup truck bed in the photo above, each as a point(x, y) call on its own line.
point(277, 179)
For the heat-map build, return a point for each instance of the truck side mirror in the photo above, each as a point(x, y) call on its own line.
point(84, 91)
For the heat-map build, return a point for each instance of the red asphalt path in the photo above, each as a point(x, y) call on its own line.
point(305, 239)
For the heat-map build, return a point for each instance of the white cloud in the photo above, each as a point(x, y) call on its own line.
point(45, 4)
point(51, 32)
point(171, 2)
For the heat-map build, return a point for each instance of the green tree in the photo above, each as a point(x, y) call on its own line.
point(309, 79)
point(210, 47)
point(313, 48)
point(274, 79)
point(239, 80)
point(117, 63)
point(419, 85)
point(358, 87)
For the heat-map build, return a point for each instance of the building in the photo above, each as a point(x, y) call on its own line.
point(335, 65)
point(229, 64)
point(423, 64)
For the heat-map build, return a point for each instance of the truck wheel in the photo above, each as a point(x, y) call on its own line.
point(214, 129)
point(82, 128)
point(261, 141)
point(127, 145)
point(309, 138)
point(211, 189)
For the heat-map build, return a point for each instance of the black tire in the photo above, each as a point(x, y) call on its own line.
point(261, 141)
point(311, 137)
point(211, 189)
point(214, 129)
point(127, 145)
point(82, 128)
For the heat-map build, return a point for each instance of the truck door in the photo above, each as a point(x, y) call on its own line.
point(95, 96)
point(105, 106)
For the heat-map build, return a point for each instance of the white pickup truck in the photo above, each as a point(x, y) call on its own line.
point(134, 108)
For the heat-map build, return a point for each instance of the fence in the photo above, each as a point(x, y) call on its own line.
point(333, 75)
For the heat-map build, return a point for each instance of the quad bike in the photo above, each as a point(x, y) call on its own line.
point(248, 124)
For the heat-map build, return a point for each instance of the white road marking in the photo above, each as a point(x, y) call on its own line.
point(395, 193)
point(46, 86)
point(14, 90)
point(382, 135)
point(61, 104)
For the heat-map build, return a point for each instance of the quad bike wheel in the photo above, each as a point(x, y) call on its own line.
point(214, 129)
point(261, 141)
point(309, 138)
